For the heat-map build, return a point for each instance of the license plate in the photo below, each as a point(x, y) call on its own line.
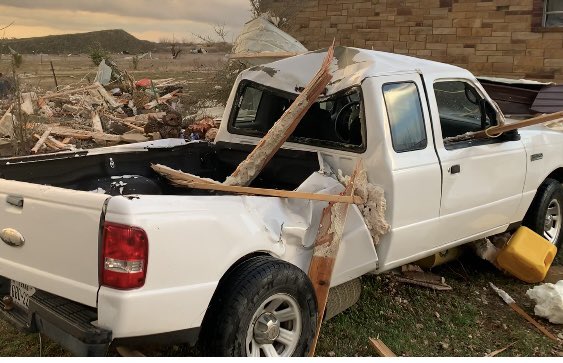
point(21, 293)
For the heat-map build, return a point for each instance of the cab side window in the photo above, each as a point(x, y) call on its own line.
point(462, 109)
point(406, 119)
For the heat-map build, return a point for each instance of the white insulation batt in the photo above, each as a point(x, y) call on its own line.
point(260, 35)
point(549, 301)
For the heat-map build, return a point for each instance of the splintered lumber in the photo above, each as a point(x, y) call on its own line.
point(496, 131)
point(326, 249)
point(161, 100)
point(424, 279)
point(106, 96)
point(69, 92)
point(138, 119)
point(204, 184)
point(249, 169)
point(382, 349)
point(84, 135)
point(58, 144)
point(179, 176)
point(510, 302)
point(41, 141)
point(97, 122)
point(275, 55)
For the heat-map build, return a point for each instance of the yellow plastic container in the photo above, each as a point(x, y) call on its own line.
point(527, 256)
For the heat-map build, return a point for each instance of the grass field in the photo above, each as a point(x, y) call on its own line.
point(470, 320)
point(193, 69)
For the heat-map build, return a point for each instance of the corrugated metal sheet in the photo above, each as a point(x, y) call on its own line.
point(512, 100)
point(549, 100)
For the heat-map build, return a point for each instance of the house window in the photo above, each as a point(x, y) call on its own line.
point(553, 13)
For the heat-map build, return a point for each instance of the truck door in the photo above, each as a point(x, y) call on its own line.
point(482, 179)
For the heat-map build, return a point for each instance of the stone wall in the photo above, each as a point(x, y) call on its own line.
point(489, 37)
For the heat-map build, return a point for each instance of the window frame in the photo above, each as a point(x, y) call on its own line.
point(510, 136)
point(389, 119)
point(546, 13)
point(299, 140)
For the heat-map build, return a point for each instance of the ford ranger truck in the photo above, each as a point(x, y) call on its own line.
point(96, 248)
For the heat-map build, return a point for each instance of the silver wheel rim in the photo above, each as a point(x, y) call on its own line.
point(275, 328)
point(553, 221)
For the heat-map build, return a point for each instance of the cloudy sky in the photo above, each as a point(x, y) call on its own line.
point(146, 19)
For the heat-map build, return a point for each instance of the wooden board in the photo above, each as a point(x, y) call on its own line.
point(382, 349)
point(326, 249)
point(249, 169)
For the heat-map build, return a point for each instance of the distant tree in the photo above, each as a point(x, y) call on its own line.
point(97, 53)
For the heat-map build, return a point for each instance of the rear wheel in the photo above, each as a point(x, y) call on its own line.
point(264, 308)
point(545, 215)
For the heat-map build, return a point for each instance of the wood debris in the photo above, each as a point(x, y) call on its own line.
point(249, 169)
point(510, 302)
point(188, 180)
point(496, 131)
point(326, 248)
point(382, 349)
point(93, 116)
point(414, 275)
point(41, 141)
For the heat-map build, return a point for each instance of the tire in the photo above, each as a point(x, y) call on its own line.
point(545, 215)
point(244, 317)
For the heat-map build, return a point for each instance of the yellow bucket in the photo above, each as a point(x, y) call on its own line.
point(527, 256)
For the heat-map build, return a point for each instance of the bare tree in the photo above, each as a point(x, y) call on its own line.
point(7, 26)
point(221, 33)
point(175, 50)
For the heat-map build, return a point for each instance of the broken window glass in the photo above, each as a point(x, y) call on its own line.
point(334, 122)
point(461, 108)
point(553, 13)
point(404, 111)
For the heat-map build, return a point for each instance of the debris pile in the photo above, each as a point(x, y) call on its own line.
point(123, 111)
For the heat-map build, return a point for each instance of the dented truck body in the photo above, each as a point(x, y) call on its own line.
point(392, 111)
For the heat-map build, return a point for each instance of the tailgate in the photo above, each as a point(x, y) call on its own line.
point(60, 230)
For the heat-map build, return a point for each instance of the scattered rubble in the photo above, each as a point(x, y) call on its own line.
point(412, 274)
point(114, 109)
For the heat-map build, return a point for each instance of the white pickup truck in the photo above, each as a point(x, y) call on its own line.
point(97, 248)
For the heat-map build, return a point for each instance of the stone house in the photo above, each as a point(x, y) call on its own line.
point(505, 38)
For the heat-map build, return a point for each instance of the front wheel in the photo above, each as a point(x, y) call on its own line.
point(545, 216)
point(264, 308)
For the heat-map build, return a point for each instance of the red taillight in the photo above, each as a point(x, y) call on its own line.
point(125, 253)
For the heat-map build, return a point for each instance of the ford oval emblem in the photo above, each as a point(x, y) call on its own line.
point(11, 237)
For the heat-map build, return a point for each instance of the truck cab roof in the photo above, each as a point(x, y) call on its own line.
point(351, 67)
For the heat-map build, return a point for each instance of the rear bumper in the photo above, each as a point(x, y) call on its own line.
point(66, 322)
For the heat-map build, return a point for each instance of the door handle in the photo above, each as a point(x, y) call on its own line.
point(15, 201)
point(455, 169)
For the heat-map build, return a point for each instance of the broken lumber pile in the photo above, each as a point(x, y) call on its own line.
point(92, 115)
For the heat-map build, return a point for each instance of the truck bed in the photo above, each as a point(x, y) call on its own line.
point(126, 173)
